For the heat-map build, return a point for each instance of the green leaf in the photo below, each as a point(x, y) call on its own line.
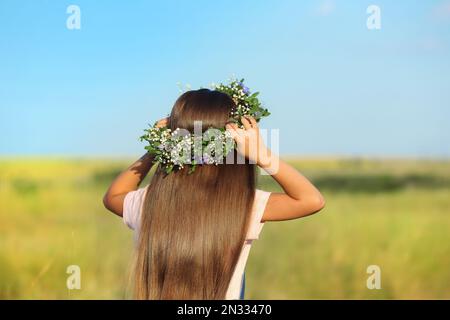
point(192, 168)
point(169, 169)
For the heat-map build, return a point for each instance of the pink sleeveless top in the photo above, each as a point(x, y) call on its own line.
point(132, 209)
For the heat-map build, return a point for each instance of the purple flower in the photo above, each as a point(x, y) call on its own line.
point(207, 159)
point(198, 159)
point(244, 88)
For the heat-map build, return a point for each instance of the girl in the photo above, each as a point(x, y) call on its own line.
point(195, 230)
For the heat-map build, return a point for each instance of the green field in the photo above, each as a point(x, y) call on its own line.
point(390, 213)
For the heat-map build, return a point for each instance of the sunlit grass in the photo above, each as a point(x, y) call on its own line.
point(52, 216)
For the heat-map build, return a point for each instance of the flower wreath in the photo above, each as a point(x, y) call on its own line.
point(173, 150)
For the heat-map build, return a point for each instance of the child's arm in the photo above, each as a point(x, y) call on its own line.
point(300, 197)
point(128, 180)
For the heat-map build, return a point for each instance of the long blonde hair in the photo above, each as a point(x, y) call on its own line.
point(193, 225)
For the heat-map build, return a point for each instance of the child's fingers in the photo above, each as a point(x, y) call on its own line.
point(162, 123)
point(231, 129)
point(236, 133)
point(246, 123)
point(252, 122)
point(231, 126)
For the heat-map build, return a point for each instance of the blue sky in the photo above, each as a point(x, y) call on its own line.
point(333, 86)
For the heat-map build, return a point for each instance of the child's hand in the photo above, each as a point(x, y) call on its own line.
point(162, 123)
point(248, 140)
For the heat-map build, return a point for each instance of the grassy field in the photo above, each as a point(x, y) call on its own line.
point(390, 213)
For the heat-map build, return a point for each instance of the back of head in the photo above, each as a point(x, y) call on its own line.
point(193, 225)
